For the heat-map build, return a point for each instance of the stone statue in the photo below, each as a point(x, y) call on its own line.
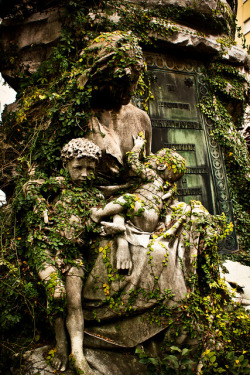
point(114, 83)
point(62, 276)
point(147, 200)
point(146, 255)
point(114, 62)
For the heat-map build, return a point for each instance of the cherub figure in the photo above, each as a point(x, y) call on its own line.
point(146, 201)
point(63, 278)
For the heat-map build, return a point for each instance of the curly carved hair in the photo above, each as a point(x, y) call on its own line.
point(170, 159)
point(79, 148)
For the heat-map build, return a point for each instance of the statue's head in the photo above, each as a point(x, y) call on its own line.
point(80, 156)
point(169, 164)
point(114, 62)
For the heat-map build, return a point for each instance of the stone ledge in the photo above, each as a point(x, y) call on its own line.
point(39, 28)
point(183, 36)
point(206, 6)
point(102, 362)
point(35, 37)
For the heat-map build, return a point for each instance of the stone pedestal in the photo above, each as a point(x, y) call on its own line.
point(102, 362)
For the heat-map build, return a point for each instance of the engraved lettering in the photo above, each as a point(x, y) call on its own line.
point(176, 124)
point(196, 170)
point(194, 191)
point(181, 146)
point(170, 105)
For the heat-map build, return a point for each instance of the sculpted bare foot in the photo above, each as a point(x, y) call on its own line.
point(111, 228)
point(60, 360)
point(95, 215)
point(81, 364)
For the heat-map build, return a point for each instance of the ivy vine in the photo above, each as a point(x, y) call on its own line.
point(51, 109)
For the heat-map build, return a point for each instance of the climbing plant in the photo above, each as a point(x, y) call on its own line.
point(54, 105)
point(225, 107)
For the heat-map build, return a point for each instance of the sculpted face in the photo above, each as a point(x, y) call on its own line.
point(81, 169)
point(115, 62)
point(127, 87)
point(169, 175)
point(115, 93)
point(165, 170)
point(170, 164)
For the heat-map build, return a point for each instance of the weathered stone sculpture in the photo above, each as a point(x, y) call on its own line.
point(114, 66)
point(165, 287)
point(62, 271)
point(145, 248)
point(147, 199)
point(108, 129)
point(142, 267)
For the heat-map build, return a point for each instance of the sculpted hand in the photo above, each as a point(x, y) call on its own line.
point(111, 228)
point(139, 141)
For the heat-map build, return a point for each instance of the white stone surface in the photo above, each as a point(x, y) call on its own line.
point(238, 277)
point(2, 198)
point(7, 96)
point(101, 362)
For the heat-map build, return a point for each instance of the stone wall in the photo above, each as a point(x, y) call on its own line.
point(31, 39)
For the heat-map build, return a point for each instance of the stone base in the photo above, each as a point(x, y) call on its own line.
point(102, 362)
point(238, 278)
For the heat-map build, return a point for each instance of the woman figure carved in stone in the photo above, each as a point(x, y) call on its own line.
point(114, 62)
point(167, 256)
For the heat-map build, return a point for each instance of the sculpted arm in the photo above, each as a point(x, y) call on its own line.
point(134, 162)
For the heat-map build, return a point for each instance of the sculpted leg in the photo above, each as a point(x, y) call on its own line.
point(112, 208)
point(60, 360)
point(49, 274)
point(56, 294)
point(75, 320)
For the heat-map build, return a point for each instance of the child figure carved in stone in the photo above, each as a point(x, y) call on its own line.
point(143, 206)
point(80, 156)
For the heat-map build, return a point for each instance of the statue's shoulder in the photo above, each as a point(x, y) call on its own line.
point(44, 186)
point(140, 121)
point(131, 108)
point(137, 116)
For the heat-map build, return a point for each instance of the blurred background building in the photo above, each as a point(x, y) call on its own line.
point(243, 16)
